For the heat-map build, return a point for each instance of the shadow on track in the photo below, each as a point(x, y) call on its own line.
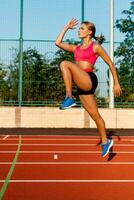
point(112, 154)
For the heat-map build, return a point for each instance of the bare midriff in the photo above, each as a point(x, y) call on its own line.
point(85, 66)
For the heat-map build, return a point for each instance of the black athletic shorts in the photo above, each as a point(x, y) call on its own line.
point(94, 81)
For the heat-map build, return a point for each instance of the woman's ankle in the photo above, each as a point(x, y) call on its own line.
point(68, 95)
point(104, 141)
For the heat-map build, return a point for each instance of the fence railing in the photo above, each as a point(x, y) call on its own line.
point(42, 84)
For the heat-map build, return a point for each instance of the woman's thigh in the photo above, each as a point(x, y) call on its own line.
point(80, 77)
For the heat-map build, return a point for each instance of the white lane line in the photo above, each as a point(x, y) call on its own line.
point(70, 136)
point(59, 139)
point(66, 152)
point(51, 152)
point(69, 181)
point(57, 144)
point(69, 163)
point(67, 139)
point(73, 135)
point(64, 136)
point(1, 136)
point(4, 138)
point(59, 136)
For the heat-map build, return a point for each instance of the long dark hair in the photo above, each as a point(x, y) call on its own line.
point(100, 39)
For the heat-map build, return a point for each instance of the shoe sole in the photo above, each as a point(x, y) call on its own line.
point(108, 148)
point(68, 107)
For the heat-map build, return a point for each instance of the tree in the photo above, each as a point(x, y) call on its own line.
point(41, 79)
point(35, 76)
point(125, 55)
point(3, 84)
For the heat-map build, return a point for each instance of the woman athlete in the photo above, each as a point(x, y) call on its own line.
point(81, 72)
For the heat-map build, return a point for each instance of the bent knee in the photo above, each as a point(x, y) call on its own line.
point(64, 64)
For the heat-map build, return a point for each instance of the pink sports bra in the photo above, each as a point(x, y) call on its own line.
point(86, 54)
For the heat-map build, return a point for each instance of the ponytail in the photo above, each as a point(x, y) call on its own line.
point(100, 39)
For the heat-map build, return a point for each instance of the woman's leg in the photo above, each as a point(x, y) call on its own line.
point(90, 105)
point(67, 77)
point(72, 71)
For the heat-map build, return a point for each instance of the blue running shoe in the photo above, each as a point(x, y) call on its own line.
point(106, 147)
point(67, 103)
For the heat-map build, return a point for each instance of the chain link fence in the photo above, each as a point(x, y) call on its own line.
point(42, 84)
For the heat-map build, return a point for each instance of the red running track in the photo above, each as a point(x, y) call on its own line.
point(79, 172)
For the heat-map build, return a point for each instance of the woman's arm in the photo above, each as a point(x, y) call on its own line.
point(101, 52)
point(68, 47)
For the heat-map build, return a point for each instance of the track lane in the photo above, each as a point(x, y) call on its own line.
point(70, 191)
point(4, 169)
point(6, 157)
point(73, 172)
point(83, 172)
point(67, 157)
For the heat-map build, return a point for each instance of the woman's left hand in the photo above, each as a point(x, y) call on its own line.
point(117, 89)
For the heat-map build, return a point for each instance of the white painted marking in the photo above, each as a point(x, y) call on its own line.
point(69, 163)
point(5, 137)
point(59, 136)
point(55, 139)
point(67, 139)
point(51, 152)
point(66, 152)
point(73, 135)
point(69, 181)
point(57, 144)
point(55, 156)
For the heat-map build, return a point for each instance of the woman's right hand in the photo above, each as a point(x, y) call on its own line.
point(67, 47)
point(71, 24)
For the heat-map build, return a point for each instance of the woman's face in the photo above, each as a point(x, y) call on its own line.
point(83, 31)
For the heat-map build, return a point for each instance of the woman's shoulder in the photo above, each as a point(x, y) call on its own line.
point(77, 46)
point(97, 46)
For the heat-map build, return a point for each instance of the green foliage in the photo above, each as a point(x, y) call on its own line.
point(3, 83)
point(42, 80)
point(125, 55)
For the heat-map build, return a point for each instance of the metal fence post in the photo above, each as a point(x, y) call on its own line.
point(111, 94)
point(20, 54)
point(82, 10)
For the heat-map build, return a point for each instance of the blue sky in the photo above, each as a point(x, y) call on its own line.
point(43, 19)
